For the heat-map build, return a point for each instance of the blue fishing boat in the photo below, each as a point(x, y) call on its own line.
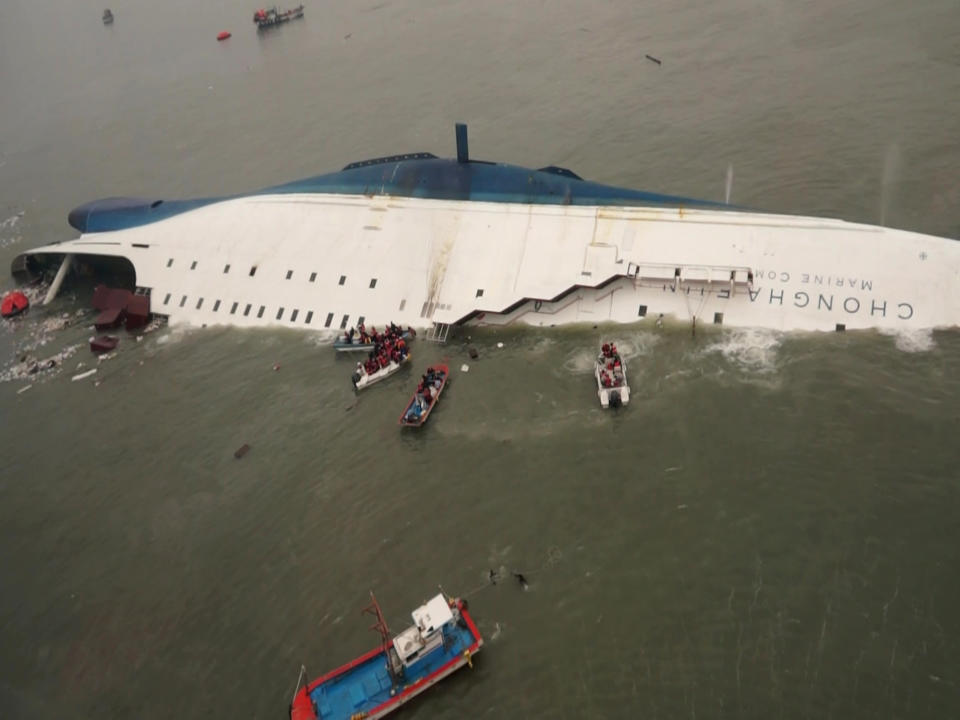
point(442, 639)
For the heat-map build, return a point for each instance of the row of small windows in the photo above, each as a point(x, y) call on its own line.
point(308, 318)
point(253, 271)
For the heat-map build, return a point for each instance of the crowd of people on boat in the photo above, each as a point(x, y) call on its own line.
point(427, 390)
point(386, 347)
point(611, 372)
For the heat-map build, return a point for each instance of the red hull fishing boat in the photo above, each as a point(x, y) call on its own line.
point(426, 397)
point(442, 639)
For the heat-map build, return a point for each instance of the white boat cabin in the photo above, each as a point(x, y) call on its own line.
point(427, 632)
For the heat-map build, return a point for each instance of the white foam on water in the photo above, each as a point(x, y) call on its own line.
point(636, 344)
point(542, 345)
point(912, 341)
point(630, 345)
point(321, 339)
point(175, 334)
point(752, 349)
point(580, 362)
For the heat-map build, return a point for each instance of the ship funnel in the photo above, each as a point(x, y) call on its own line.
point(463, 155)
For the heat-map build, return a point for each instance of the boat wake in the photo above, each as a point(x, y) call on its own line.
point(630, 345)
point(580, 362)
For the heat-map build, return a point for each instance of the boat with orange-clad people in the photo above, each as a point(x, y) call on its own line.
point(360, 340)
point(387, 353)
point(432, 383)
point(611, 373)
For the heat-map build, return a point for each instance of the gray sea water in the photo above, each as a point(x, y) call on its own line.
point(770, 529)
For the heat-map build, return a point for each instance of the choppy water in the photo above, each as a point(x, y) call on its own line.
point(768, 530)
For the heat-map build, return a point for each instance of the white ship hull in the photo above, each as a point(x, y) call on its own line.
point(436, 261)
point(329, 260)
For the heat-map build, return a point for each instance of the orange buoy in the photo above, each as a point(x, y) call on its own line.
point(223, 36)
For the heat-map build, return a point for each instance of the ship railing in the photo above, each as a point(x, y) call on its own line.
point(438, 333)
point(681, 275)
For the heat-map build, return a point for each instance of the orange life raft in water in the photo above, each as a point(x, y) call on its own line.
point(14, 304)
point(223, 36)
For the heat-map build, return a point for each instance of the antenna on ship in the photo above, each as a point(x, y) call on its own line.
point(463, 154)
point(891, 169)
point(729, 182)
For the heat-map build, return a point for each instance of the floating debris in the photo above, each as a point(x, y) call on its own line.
point(651, 58)
point(464, 368)
point(24, 389)
point(499, 344)
point(474, 354)
point(241, 451)
point(83, 375)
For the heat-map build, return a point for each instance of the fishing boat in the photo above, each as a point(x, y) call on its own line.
point(610, 371)
point(442, 639)
point(341, 344)
point(362, 379)
point(423, 402)
point(274, 16)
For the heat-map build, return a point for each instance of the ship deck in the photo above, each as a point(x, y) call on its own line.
point(365, 686)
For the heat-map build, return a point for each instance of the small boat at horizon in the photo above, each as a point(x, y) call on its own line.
point(265, 18)
point(107, 17)
point(610, 371)
point(426, 397)
point(442, 639)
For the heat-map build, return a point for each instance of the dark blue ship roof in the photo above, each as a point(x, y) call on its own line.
point(419, 175)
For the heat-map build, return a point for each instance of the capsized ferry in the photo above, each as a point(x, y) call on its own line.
point(434, 243)
point(442, 639)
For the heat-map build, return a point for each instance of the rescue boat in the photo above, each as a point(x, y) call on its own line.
point(610, 371)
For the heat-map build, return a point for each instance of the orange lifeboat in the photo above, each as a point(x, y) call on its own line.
point(13, 304)
point(223, 35)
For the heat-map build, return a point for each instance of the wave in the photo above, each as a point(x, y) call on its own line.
point(912, 341)
point(751, 349)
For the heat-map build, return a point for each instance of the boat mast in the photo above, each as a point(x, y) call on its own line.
point(381, 627)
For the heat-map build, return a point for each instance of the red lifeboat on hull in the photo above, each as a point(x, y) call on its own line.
point(13, 304)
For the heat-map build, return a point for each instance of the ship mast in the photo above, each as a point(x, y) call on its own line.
point(381, 627)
